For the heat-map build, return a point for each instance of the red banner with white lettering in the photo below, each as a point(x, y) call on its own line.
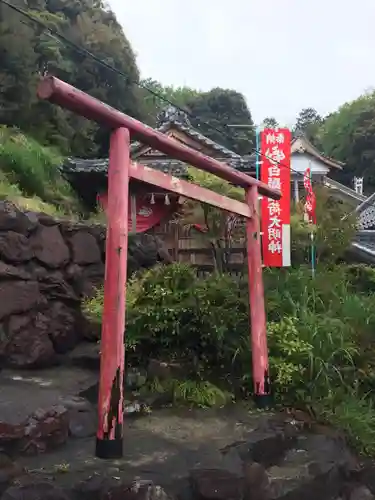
point(275, 216)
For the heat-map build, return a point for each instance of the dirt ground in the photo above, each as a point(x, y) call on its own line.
point(163, 446)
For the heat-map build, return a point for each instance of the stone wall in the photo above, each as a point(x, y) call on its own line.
point(46, 268)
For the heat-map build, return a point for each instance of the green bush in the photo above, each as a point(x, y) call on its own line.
point(171, 313)
point(320, 332)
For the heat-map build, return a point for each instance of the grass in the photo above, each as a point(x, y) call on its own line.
point(31, 179)
point(201, 394)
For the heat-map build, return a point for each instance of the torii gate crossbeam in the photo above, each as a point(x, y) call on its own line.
point(109, 441)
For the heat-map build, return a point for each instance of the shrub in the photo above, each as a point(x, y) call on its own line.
point(333, 232)
point(174, 314)
point(319, 334)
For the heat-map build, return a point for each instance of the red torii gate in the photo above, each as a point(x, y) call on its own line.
point(109, 441)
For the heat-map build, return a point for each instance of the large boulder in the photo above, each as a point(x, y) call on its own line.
point(27, 344)
point(85, 248)
point(19, 297)
point(13, 219)
point(146, 250)
point(101, 487)
point(45, 430)
point(35, 491)
point(49, 247)
point(15, 247)
point(61, 327)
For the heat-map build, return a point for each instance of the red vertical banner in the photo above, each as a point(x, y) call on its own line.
point(310, 204)
point(275, 171)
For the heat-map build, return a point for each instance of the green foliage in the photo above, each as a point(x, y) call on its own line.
point(308, 123)
point(30, 170)
point(320, 337)
point(270, 122)
point(153, 107)
point(218, 108)
point(28, 51)
point(195, 393)
point(348, 135)
point(355, 415)
point(332, 235)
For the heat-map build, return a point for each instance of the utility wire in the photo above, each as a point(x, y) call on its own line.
point(61, 38)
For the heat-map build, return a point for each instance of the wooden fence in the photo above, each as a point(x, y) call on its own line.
point(187, 246)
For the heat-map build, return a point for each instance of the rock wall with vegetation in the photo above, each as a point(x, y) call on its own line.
point(46, 267)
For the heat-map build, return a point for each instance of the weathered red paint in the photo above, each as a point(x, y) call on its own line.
point(110, 408)
point(256, 296)
point(120, 169)
point(66, 96)
point(187, 189)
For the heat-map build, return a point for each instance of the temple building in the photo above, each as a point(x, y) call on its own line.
point(149, 207)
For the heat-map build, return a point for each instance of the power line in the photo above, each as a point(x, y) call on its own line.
point(61, 38)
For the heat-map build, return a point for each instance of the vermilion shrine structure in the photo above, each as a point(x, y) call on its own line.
point(110, 406)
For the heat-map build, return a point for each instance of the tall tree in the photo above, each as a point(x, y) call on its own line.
point(270, 122)
point(153, 105)
point(216, 111)
point(349, 135)
point(308, 123)
point(26, 51)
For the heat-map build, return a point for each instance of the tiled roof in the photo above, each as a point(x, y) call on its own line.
point(179, 121)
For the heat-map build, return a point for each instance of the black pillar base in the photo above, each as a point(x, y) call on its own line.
point(264, 401)
point(108, 448)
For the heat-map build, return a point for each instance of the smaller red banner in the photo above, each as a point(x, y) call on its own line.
point(275, 171)
point(310, 204)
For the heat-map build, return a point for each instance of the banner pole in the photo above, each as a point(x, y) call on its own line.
point(312, 240)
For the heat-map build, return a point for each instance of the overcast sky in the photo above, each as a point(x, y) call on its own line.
point(283, 55)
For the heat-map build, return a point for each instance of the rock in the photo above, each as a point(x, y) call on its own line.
point(164, 370)
point(135, 378)
point(86, 279)
point(361, 493)
point(82, 417)
point(19, 297)
point(9, 471)
point(10, 435)
point(256, 482)
point(61, 327)
point(13, 219)
point(266, 446)
point(215, 484)
point(76, 403)
point(46, 220)
point(314, 468)
point(55, 287)
point(86, 355)
point(28, 344)
point(15, 247)
point(82, 424)
point(85, 248)
point(138, 490)
point(89, 330)
point(107, 488)
point(35, 491)
point(49, 247)
point(8, 273)
point(45, 430)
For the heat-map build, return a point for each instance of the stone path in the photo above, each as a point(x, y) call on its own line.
point(23, 392)
point(232, 453)
point(162, 447)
